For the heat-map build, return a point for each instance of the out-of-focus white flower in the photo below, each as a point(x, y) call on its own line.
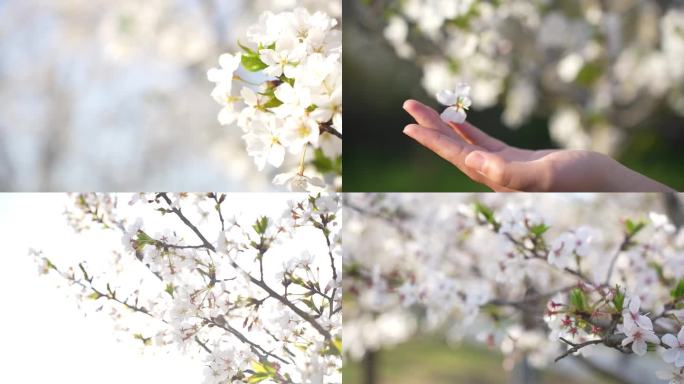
point(296, 182)
point(673, 376)
point(675, 354)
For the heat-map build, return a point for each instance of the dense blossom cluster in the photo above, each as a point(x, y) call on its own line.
point(284, 90)
point(597, 66)
point(258, 296)
point(540, 277)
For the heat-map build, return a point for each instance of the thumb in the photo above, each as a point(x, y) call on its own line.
point(521, 176)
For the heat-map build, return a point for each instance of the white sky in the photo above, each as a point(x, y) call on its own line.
point(45, 338)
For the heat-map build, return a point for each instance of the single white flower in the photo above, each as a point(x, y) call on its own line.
point(675, 353)
point(458, 102)
point(263, 143)
point(297, 182)
point(226, 72)
point(638, 337)
point(284, 58)
point(299, 131)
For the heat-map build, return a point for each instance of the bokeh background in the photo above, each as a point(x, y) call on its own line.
point(377, 82)
point(113, 95)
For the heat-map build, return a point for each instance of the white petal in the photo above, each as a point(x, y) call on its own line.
point(680, 336)
point(639, 347)
point(645, 322)
point(226, 116)
point(634, 304)
point(249, 96)
point(276, 155)
point(453, 114)
point(283, 178)
point(215, 75)
point(679, 358)
point(462, 89)
point(670, 355)
point(670, 340)
point(446, 97)
point(285, 93)
point(230, 62)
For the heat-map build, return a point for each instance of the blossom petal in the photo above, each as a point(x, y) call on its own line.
point(670, 340)
point(639, 347)
point(446, 97)
point(679, 358)
point(670, 355)
point(453, 114)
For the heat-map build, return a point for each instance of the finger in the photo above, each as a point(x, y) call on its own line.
point(453, 151)
point(530, 176)
point(428, 117)
point(473, 135)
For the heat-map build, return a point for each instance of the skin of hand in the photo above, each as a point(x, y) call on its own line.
point(503, 168)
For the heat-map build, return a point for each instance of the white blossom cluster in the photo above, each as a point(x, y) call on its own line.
point(540, 277)
point(256, 294)
point(284, 90)
point(599, 67)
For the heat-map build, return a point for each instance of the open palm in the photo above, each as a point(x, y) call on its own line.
point(501, 167)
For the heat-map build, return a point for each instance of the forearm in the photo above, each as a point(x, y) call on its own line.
point(619, 178)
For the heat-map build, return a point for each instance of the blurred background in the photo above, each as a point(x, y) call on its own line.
point(113, 95)
point(568, 74)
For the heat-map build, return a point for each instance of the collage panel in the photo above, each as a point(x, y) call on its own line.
point(170, 95)
point(174, 288)
point(513, 288)
point(560, 96)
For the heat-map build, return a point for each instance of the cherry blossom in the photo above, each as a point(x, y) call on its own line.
point(674, 355)
point(458, 102)
point(255, 293)
point(284, 90)
point(515, 272)
point(638, 337)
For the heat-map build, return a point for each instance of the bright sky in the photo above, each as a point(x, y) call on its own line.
point(45, 338)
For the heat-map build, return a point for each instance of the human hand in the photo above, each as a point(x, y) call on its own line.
point(504, 168)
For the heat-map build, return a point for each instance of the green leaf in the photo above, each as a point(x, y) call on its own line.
point(589, 73)
point(539, 229)
point(261, 225)
point(633, 228)
point(245, 48)
point(486, 212)
point(262, 371)
point(252, 62)
point(169, 289)
point(94, 296)
point(619, 299)
point(678, 291)
point(324, 164)
point(334, 347)
point(272, 103)
point(578, 300)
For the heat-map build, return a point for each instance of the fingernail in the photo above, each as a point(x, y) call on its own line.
point(407, 130)
point(475, 160)
point(404, 105)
